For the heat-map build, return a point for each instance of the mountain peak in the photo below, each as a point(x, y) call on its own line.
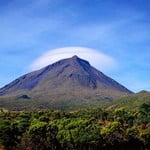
point(75, 57)
point(80, 61)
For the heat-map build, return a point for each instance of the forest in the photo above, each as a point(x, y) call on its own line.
point(84, 129)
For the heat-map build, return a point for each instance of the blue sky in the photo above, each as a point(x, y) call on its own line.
point(118, 28)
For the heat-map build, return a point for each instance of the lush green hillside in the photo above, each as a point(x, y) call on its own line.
point(131, 102)
point(85, 129)
point(17, 104)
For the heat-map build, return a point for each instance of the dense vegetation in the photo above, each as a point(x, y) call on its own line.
point(86, 129)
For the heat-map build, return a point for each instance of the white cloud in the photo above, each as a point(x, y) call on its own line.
point(96, 58)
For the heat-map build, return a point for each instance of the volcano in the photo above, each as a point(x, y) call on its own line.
point(68, 82)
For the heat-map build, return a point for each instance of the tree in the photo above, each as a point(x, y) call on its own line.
point(7, 136)
point(111, 134)
point(123, 116)
point(144, 113)
point(37, 135)
point(145, 137)
point(77, 133)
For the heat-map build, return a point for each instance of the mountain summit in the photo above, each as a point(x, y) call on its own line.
point(68, 81)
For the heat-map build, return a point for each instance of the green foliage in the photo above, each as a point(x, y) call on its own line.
point(132, 132)
point(145, 136)
point(111, 128)
point(144, 113)
point(77, 131)
point(7, 134)
point(123, 116)
point(86, 129)
point(111, 132)
point(37, 131)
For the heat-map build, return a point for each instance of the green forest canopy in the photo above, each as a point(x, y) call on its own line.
point(85, 129)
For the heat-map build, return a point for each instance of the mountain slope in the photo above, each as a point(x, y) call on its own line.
point(68, 81)
point(131, 102)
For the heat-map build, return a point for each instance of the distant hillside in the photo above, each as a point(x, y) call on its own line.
point(132, 101)
point(67, 83)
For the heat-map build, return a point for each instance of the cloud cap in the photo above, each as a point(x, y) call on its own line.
point(97, 59)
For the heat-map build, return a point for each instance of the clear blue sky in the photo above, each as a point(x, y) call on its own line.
point(119, 28)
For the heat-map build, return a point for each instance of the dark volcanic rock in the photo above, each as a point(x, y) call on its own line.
point(24, 97)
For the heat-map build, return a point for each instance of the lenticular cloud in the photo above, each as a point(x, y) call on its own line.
point(96, 58)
